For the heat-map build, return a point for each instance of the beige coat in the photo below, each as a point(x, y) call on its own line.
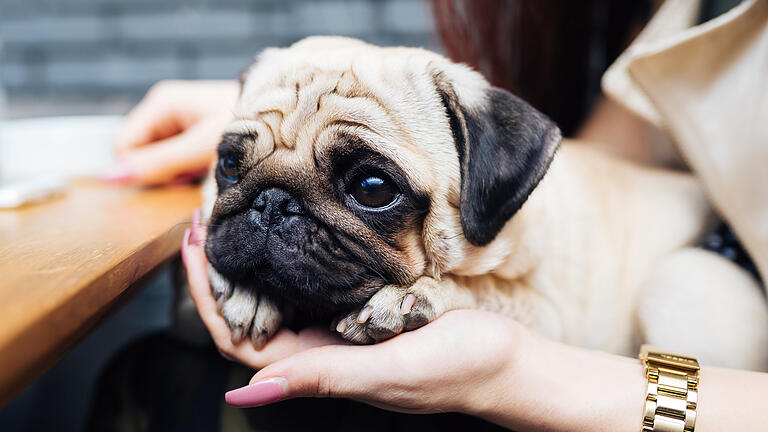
point(707, 85)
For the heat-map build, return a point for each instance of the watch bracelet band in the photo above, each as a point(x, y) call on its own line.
point(672, 396)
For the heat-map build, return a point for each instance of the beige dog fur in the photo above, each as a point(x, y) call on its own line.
point(597, 241)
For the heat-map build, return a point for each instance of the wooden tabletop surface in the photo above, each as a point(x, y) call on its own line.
point(66, 262)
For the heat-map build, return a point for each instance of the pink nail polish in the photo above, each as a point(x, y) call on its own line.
point(194, 237)
point(196, 218)
point(184, 244)
point(120, 173)
point(259, 393)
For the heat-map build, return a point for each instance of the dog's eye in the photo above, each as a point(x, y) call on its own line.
point(229, 167)
point(373, 191)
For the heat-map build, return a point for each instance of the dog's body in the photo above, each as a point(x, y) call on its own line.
point(573, 258)
point(331, 123)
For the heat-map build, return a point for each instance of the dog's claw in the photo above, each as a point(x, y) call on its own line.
point(364, 314)
point(259, 338)
point(238, 333)
point(408, 301)
point(341, 327)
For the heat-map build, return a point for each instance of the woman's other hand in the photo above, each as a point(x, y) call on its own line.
point(171, 135)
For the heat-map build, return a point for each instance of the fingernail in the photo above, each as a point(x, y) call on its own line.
point(259, 393)
point(196, 218)
point(194, 236)
point(120, 173)
point(364, 314)
point(197, 228)
point(184, 244)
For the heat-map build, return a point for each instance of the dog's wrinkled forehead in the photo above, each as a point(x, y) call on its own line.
point(296, 103)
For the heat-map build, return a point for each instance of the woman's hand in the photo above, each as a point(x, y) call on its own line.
point(452, 364)
point(173, 132)
point(437, 368)
point(468, 361)
point(283, 344)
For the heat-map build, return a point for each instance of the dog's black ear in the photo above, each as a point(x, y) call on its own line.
point(504, 147)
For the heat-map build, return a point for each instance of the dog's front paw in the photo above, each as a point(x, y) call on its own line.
point(251, 314)
point(247, 312)
point(391, 311)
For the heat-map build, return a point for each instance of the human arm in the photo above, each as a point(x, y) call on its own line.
point(491, 367)
point(474, 362)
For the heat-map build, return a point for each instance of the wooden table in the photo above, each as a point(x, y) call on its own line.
point(66, 263)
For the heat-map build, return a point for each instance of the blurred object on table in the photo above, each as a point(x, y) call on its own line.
point(66, 147)
point(16, 193)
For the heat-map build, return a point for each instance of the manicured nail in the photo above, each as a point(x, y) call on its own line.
point(259, 393)
point(407, 305)
point(194, 237)
point(184, 245)
point(120, 173)
point(198, 231)
point(196, 218)
point(364, 314)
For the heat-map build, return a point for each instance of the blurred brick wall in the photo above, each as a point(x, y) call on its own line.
point(100, 56)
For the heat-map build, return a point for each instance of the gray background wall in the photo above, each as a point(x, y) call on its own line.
point(99, 56)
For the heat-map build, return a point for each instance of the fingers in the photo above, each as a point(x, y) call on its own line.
point(173, 131)
point(283, 344)
point(329, 371)
point(188, 152)
point(155, 117)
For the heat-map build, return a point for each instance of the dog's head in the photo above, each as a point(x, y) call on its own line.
point(351, 166)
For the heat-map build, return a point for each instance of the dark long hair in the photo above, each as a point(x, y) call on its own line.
point(551, 53)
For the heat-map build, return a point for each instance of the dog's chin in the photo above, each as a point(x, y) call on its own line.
point(300, 262)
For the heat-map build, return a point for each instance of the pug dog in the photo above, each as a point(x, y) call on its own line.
point(386, 186)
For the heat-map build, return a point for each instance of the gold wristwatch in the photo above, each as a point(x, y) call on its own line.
point(673, 382)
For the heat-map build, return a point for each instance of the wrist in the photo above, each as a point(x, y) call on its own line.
point(490, 395)
point(552, 386)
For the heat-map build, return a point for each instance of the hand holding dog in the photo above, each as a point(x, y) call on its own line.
point(467, 361)
point(412, 367)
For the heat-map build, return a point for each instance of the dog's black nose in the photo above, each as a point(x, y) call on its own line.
point(272, 206)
